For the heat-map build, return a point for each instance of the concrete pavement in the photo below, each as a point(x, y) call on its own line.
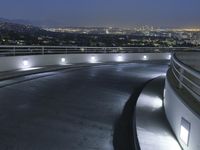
point(81, 109)
point(153, 129)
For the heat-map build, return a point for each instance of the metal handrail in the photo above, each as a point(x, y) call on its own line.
point(180, 72)
point(9, 50)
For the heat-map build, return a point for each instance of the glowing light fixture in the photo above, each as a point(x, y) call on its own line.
point(25, 63)
point(63, 60)
point(145, 57)
point(170, 56)
point(120, 58)
point(93, 59)
point(82, 49)
point(157, 103)
point(185, 131)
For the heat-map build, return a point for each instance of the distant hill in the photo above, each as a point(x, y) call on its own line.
point(41, 23)
point(4, 20)
point(8, 26)
point(17, 21)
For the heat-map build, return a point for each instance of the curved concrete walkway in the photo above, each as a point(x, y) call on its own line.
point(72, 110)
point(153, 129)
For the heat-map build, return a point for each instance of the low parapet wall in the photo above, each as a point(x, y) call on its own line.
point(182, 103)
point(179, 114)
point(19, 62)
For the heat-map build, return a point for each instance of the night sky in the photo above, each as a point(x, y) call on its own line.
point(118, 13)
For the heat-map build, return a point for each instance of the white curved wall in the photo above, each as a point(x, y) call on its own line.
point(16, 62)
point(175, 109)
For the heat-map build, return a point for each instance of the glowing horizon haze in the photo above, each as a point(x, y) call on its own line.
point(117, 13)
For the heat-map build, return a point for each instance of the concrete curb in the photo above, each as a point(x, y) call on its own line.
point(152, 128)
point(19, 73)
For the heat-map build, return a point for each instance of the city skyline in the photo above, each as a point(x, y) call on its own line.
point(116, 13)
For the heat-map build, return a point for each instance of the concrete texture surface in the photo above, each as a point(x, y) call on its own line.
point(83, 109)
point(153, 129)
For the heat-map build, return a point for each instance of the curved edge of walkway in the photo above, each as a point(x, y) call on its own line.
point(152, 130)
point(6, 75)
point(16, 76)
point(36, 70)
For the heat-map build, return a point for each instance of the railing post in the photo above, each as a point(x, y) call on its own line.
point(66, 50)
point(29, 50)
point(14, 51)
point(43, 50)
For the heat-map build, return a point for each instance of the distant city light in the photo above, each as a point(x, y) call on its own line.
point(107, 31)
